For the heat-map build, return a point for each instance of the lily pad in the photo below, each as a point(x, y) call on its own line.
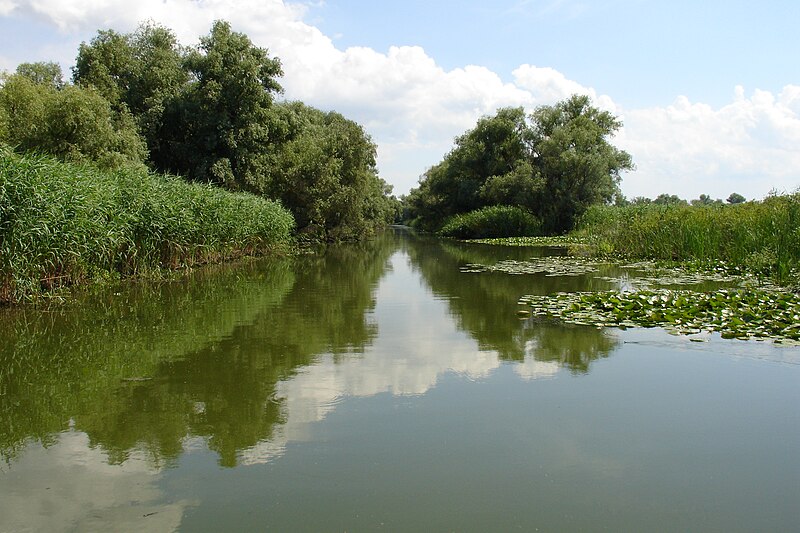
point(734, 313)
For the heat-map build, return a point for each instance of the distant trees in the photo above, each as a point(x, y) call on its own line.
point(736, 198)
point(207, 113)
point(555, 163)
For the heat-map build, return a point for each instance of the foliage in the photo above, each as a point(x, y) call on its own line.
point(61, 224)
point(221, 128)
point(492, 221)
point(735, 313)
point(42, 73)
point(73, 123)
point(762, 236)
point(736, 198)
point(326, 175)
point(208, 114)
point(579, 165)
point(142, 72)
point(669, 199)
point(555, 163)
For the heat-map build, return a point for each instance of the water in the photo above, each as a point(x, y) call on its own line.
point(378, 387)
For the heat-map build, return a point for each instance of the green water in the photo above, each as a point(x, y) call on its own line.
point(378, 387)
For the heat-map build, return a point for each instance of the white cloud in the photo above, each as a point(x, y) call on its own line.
point(748, 146)
point(413, 108)
point(70, 486)
point(547, 86)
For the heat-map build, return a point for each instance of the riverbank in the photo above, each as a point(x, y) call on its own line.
point(65, 224)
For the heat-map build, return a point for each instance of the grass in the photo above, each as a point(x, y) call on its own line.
point(64, 224)
point(762, 237)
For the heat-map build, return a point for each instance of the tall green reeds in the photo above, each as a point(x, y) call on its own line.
point(61, 224)
point(492, 221)
point(763, 236)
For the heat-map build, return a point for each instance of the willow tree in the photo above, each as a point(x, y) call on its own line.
point(555, 163)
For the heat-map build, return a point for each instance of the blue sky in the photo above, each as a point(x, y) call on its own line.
point(709, 92)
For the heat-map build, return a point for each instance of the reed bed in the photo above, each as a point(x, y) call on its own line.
point(63, 224)
point(761, 236)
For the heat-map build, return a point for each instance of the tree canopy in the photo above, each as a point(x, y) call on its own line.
point(555, 163)
point(207, 113)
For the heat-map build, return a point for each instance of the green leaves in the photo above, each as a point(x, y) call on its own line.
point(554, 163)
point(735, 313)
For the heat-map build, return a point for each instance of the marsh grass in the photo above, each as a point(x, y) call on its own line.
point(763, 237)
point(62, 224)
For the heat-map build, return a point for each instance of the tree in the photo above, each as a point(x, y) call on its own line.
point(580, 167)
point(142, 72)
point(72, 123)
point(705, 199)
point(669, 199)
point(736, 198)
point(220, 128)
point(554, 163)
point(42, 73)
point(326, 175)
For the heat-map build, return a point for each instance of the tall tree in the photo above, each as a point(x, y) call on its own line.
point(326, 175)
point(220, 129)
point(572, 152)
point(42, 73)
point(142, 72)
point(554, 163)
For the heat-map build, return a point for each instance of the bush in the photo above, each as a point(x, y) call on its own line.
point(493, 221)
point(62, 224)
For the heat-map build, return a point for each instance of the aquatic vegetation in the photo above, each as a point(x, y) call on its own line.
point(762, 237)
point(559, 240)
point(734, 313)
point(63, 223)
point(491, 221)
point(549, 266)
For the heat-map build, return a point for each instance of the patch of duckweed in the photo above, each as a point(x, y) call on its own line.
point(734, 313)
point(550, 266)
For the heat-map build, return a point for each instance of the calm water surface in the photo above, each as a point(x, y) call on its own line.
point(378, 387)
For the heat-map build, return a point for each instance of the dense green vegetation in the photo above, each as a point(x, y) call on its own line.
point(734, 313)
point(206, 113)
point(63, 223)
point(554, 163)
point(763, 236)
point(492, 221)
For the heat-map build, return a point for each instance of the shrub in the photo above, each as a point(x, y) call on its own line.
point(493, 221)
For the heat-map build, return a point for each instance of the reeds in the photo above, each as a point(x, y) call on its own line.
point(762, 236)
point(492, 221)
point(62, 224)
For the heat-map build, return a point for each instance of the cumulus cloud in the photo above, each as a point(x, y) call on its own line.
point(748, 146)
point(547, 86)
point(413, 108)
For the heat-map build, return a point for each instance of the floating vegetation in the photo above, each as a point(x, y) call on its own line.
point(561, 240)
point(734, 313)
point(550, 266)
point(648, 274)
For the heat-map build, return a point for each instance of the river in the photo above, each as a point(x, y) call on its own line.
point(383, 386)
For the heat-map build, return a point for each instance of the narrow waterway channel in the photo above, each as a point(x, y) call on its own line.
point(383, 386)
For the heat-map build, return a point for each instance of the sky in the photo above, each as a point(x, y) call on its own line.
point(708, 92)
